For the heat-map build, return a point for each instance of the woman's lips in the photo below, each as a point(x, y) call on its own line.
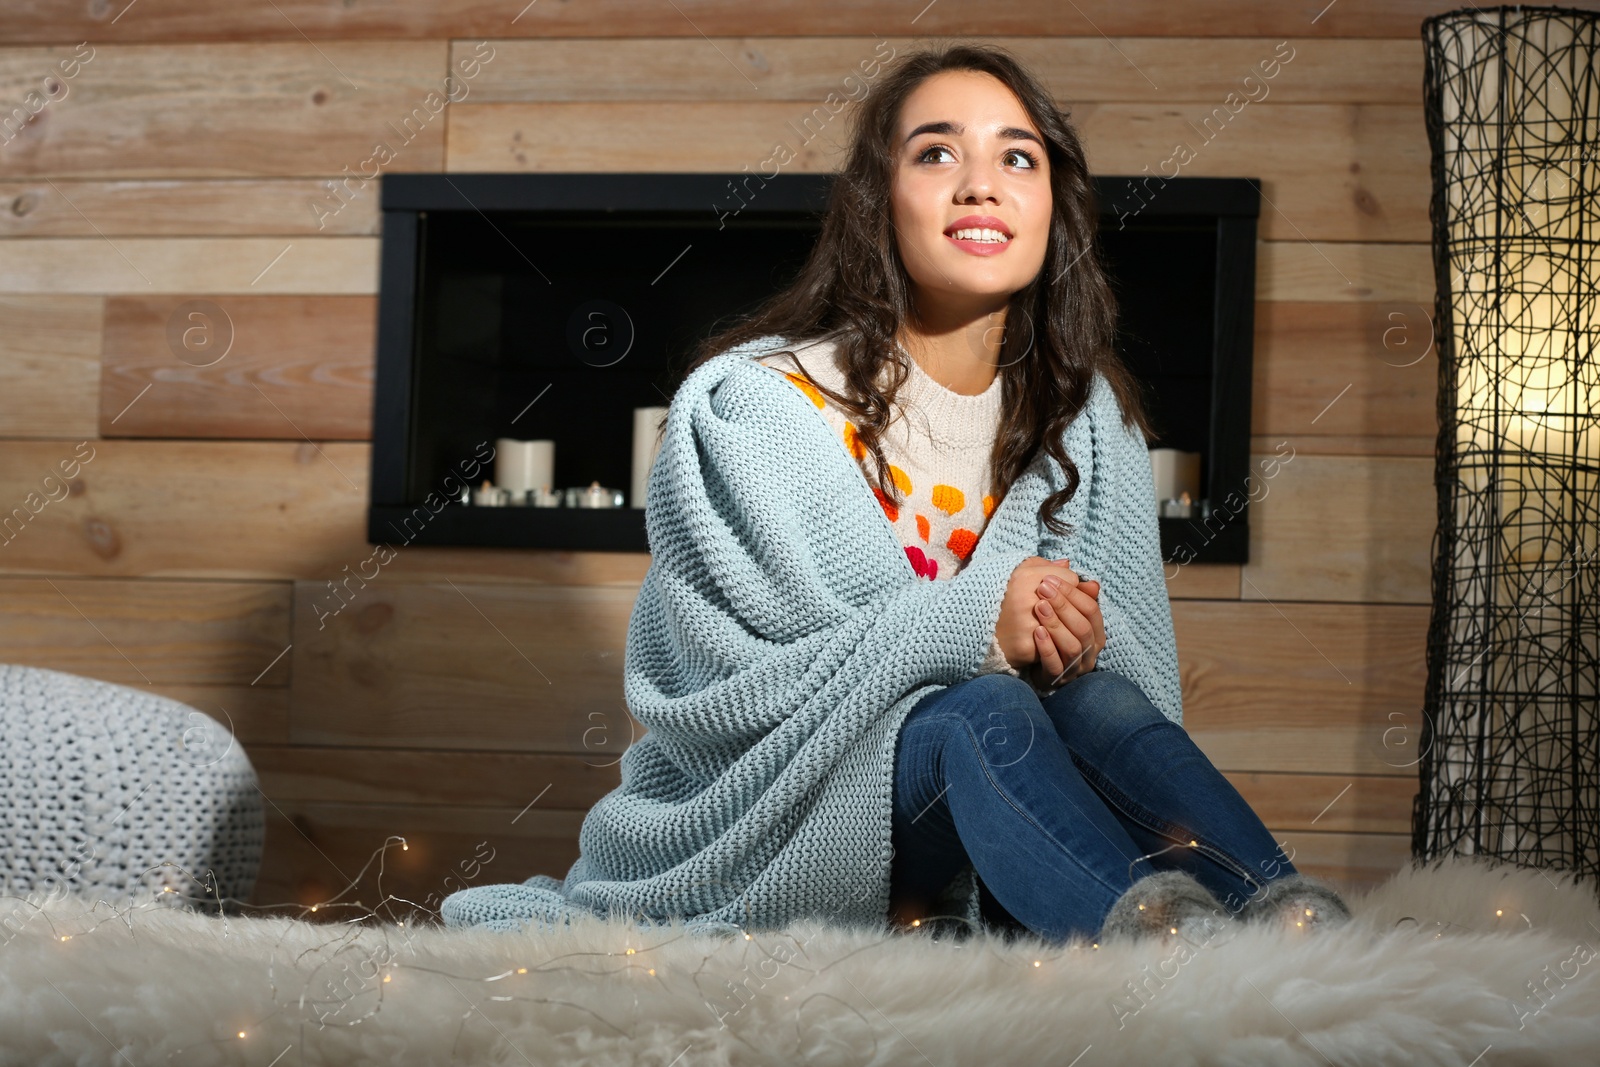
point(979, 248)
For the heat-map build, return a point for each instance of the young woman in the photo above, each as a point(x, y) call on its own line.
point(878, 685)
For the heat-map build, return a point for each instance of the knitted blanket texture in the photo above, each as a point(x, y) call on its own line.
point(778, 641)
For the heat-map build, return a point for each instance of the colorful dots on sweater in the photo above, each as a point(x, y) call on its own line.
point(962, 542)
point(948, 499)
point(921, 563)
point(853, 442)
point(888, 505)
point(804, 385)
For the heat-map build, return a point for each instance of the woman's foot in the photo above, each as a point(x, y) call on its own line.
point(1168, 905)
point(1296, 902)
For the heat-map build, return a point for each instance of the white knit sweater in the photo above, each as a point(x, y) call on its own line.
point(937, 446)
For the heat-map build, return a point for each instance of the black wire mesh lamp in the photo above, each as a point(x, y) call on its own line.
point(1509, 759)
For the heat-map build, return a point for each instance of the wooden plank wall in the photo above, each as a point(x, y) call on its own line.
point(195, 160)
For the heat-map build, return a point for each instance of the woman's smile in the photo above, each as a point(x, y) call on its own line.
point(979, 235)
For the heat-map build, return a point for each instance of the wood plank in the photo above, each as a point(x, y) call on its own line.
point(1315, 688)
point(139, 633)
point(314, 851)
point(49, 365)
point(540, 666)
point(213, 265)
point(288, 20)
point(577, 137)
point(1076, 70)
point(1202, 581)
point(260, 367)
point(184, 208)
point(1344, 528)
point(1351, 445)
point(516, 565)
point(1390, 274)
point(255, 714)
point(200, 509)
point(1359, 172)
point(1329, 803)
point(1355, 863)
point(241, 510)
point(435, 776)
point(227, 110)
point(1351, 369)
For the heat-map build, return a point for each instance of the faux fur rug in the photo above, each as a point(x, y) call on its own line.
point(1462, 964)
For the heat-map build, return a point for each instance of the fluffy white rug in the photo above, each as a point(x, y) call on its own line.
point(1428, 973)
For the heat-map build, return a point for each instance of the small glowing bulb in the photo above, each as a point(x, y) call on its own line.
point(241, 1035)
point(630, 952)
point(404, 847)
point(1498, 913)
point(66, 937)
point(652, 972)
point(1097, 944)
point(1308, 911)
point(916, 922)
point(1141, 907)
point(747, 937)
point(387, 977)
point(313, 907)
point(1298, 922)
point(1191, 842)
point(1036, 963)
point(1174, 929)
point(522, 970)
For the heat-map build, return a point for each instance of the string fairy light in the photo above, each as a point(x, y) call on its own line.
point(297, 995)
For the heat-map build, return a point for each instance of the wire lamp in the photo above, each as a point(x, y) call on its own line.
point(1508, 755)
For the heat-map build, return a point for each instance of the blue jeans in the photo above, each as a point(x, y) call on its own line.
point(1062, 802)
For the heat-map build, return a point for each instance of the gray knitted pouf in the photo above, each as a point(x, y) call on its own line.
point(109, 792)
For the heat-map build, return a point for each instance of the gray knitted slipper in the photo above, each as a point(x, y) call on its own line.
point(1168, 905)
point(1296, 902)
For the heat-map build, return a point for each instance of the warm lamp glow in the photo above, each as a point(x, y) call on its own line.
point(1513, 650)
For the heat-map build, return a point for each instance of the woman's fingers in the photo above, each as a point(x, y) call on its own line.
point(1066, 641)
point(1075, 609)
point(1049, 657)
point(1078, 611)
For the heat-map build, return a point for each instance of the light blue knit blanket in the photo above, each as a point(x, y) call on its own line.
point(779, 639)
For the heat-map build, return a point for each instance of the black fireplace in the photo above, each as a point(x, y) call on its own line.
point(550, 306)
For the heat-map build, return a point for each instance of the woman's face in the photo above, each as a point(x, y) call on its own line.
point(970, 197)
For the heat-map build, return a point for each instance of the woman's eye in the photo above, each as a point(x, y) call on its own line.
point(931, 151)
point(1019, 158)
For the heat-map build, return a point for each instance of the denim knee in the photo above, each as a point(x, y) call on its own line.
point(1102, 700)
point(1001, 710)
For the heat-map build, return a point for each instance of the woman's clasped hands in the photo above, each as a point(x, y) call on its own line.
point(1050, 626)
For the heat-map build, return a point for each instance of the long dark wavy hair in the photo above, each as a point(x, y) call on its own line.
point(854, 290)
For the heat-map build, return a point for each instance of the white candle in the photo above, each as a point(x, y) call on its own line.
point(523, 465)
point(646, 442)
point(1175, 473)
